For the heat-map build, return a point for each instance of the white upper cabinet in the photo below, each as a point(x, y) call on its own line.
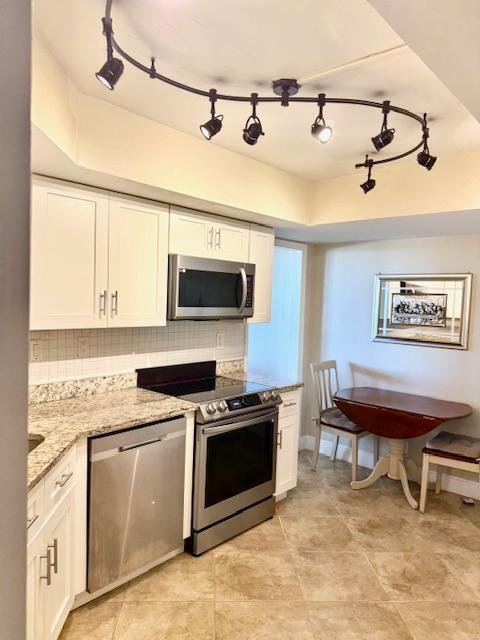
point(202, 235)
point(190, 235)
point(98, 260)
point(137, 263)
point(262, 241)
point(68, 257)
point(231, 240)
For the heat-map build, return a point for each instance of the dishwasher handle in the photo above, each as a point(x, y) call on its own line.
point(137, 445)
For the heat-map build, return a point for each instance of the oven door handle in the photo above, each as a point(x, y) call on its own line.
point(268, 417)
point(243, 302)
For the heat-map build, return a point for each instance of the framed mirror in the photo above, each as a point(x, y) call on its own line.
point(427, 309)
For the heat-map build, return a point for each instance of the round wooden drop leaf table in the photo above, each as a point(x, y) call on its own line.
point(396, 416)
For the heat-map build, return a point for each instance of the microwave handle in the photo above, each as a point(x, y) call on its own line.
point(243, 276)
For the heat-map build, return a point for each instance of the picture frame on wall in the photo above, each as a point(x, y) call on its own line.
point(424, 309)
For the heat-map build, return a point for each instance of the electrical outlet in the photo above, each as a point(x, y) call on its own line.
point(83, 347)
point(36, 351)
point(220, 340)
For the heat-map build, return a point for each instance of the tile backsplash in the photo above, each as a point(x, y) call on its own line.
point(82, 353)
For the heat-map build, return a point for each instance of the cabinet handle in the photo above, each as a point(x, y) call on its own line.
point(54, 546)
point(31, 520)
point(210, 238)
point(280, 439)
point(115, 303)
point(218, 239)
point(289, 404)
point(103, 303)
point(64, 479)
point(48, 577)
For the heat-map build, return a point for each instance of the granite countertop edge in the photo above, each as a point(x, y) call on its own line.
point(61, 432)
point(63, 422)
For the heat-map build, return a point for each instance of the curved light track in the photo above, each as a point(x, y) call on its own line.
point(153, 73)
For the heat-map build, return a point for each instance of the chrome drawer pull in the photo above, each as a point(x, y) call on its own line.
point(279, 439)
point(48, 577)
point(54, 546)
point(289, 404)
point(103, 304)
point(31, 520)
point(64, 479)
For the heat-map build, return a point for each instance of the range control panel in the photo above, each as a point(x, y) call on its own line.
point(234, 406)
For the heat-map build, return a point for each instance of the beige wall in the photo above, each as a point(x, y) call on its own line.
point(402, 189)
point(339, 317)
point(14, 246)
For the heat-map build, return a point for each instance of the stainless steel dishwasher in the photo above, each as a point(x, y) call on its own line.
point(136, 488)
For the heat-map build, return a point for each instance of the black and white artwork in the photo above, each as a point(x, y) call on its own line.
point(423, 309)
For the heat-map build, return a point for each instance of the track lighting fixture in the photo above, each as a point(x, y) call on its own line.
point(253, 127)
point(285, 92)
point(213, 126)
point(320, 131)
point(111, 71)
point(369, 183)
point(424, 158)
point(386, 135)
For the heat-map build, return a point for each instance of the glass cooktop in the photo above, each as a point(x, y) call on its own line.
point(208, 389)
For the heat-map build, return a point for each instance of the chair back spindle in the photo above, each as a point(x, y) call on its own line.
point(325, 380)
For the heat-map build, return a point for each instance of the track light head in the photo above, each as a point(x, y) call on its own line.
point(426, 160)
point(110, 73)
point(253, 127)
point(384, 137)
point(252, 132)
point(212, 127)
point(319, 130)
point(369, 183)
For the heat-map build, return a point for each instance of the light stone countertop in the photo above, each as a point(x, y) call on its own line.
point(63, 422)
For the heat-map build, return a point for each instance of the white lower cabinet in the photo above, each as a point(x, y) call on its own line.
point(49, 574)
point(287, 442)
point(59, 594)
point(56, 536)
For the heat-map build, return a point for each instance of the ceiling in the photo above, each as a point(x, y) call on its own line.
point(240, 46)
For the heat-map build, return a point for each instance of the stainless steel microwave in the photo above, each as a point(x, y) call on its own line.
point(208, 289)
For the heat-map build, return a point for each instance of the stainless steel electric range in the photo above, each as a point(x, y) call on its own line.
point(235, 449)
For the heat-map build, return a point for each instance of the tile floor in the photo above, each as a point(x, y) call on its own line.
point(334, 564)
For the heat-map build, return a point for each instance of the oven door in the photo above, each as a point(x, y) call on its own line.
point(203, 288)
point(235, 463)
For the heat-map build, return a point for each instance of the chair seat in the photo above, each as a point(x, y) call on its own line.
point(456, 446)
point(338, 420)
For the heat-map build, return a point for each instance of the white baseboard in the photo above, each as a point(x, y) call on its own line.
point(454, 484)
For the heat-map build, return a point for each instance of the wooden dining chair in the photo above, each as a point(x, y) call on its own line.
point(330, 419)
point(448, 450)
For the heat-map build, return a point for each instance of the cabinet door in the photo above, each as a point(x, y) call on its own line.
point(190, 235)
point(36, 567)
point(231, 241)
point(287, 454)
point(262, 242)
point(59, 594)
point(138, 264)
point(68, 257)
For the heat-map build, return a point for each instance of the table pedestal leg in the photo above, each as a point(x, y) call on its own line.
point(394, 466)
